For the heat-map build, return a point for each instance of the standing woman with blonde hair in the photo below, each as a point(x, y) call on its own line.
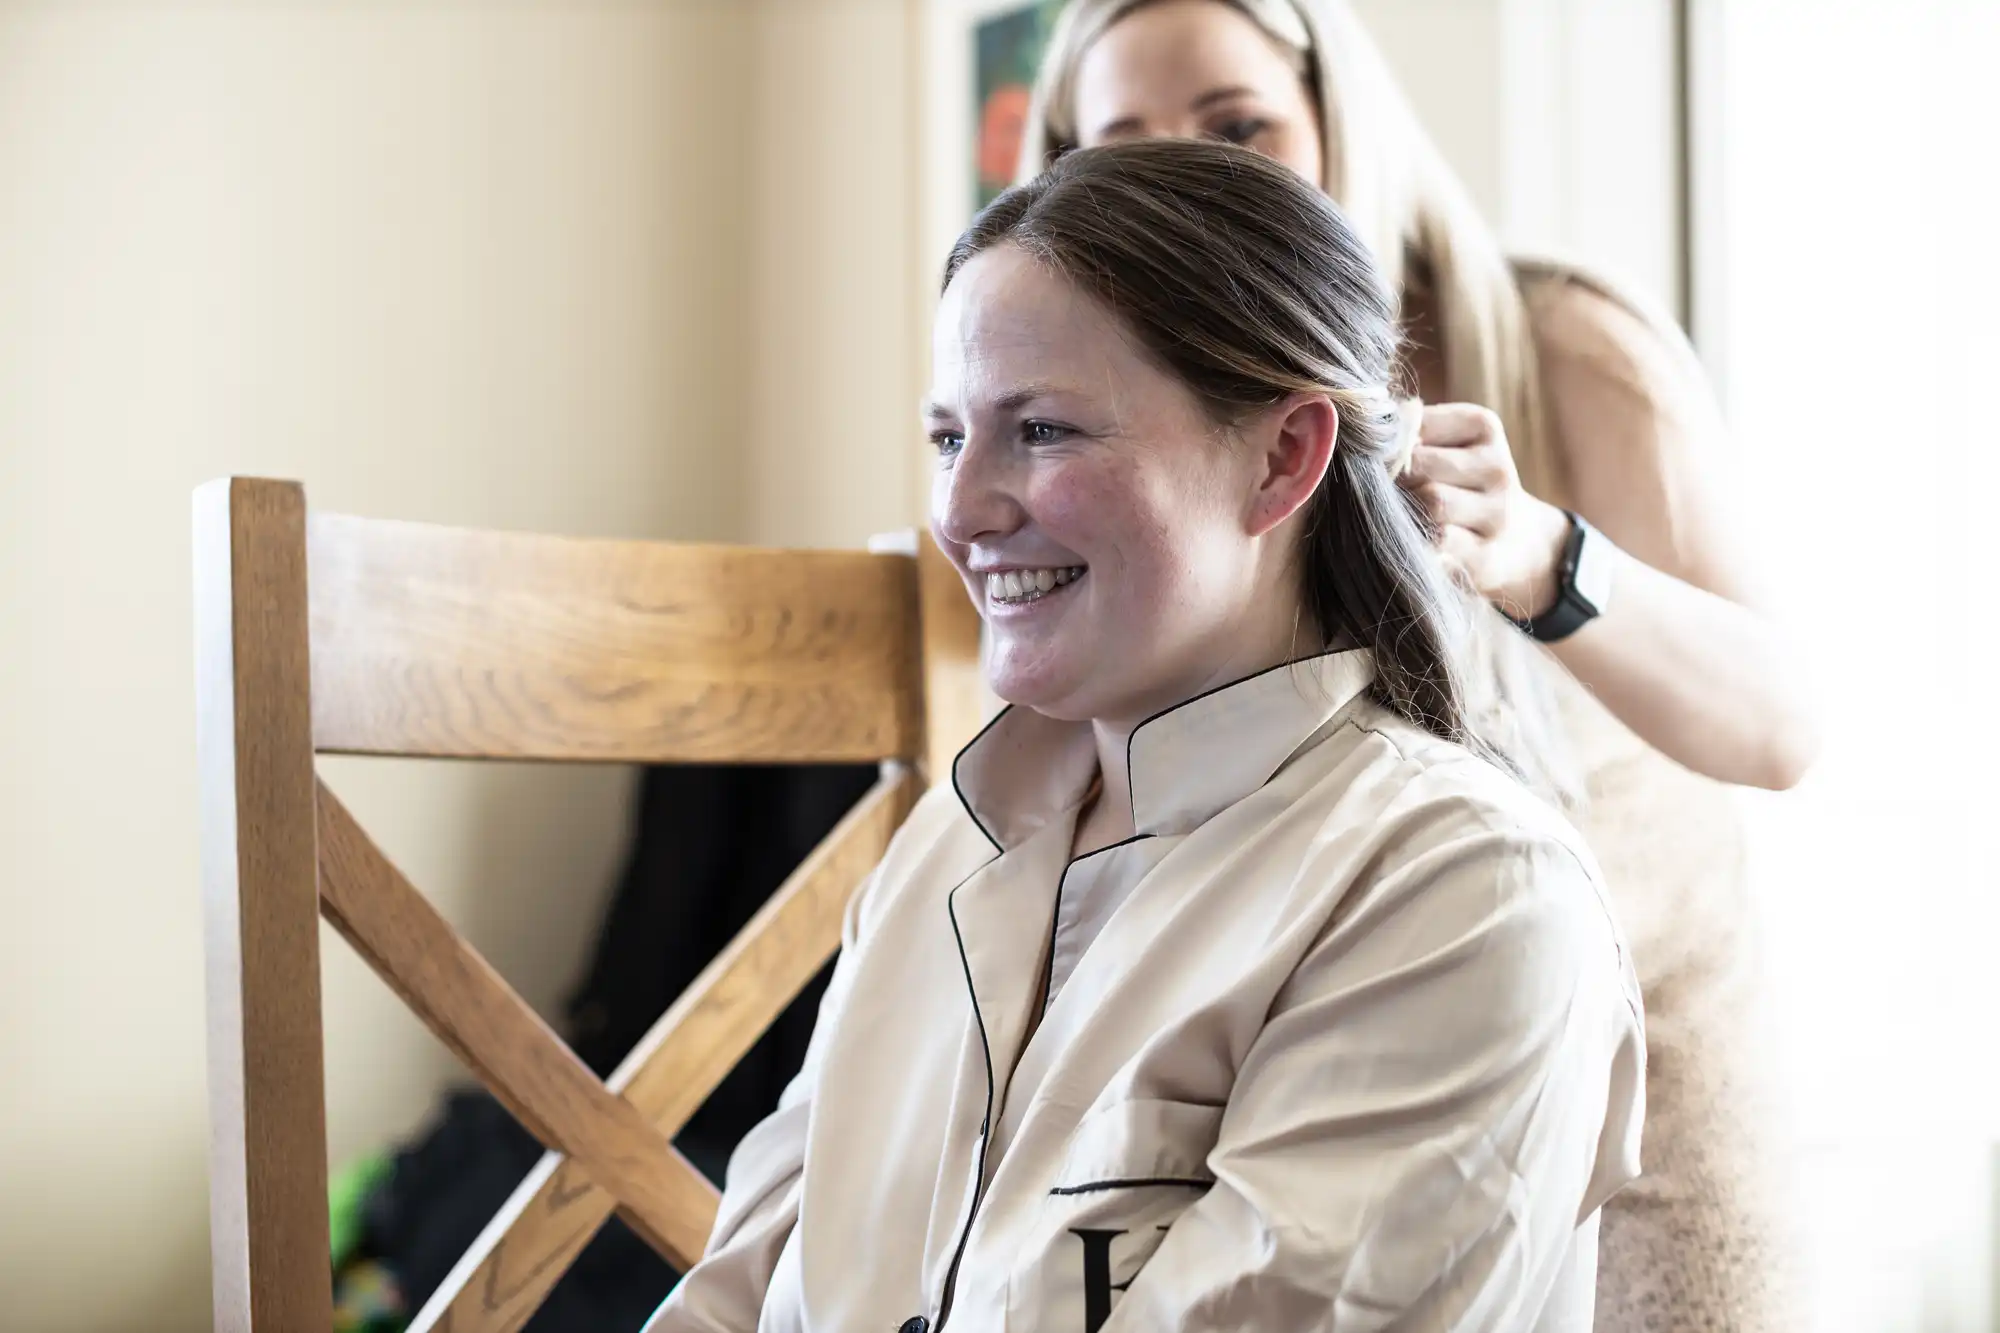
point(1570, 467)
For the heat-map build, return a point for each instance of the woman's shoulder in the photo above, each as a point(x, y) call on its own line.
point(1454, 842)
point(1592, 331)
point(1441, 814)
point(1433, 791)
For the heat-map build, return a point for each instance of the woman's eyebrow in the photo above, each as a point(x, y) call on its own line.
point(1011, 401)
point(1020, 396)
point(1215, 95)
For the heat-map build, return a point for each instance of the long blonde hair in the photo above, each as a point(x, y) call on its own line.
point(1393, 184)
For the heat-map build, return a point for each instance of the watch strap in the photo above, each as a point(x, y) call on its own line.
point(1573, 608)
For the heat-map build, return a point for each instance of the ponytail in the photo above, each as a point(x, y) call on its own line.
point(1444, 658)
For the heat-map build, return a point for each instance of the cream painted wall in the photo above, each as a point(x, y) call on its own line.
point(1446, 54)
point(836, 343)
point(480, 264)
point(1559, 115)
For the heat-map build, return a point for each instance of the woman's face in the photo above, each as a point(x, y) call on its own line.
point(1197, 68)
point(1117, 543)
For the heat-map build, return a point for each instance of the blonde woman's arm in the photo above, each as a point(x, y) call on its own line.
point(1684, 654)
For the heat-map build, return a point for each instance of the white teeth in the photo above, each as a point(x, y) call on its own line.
point(1025, 585)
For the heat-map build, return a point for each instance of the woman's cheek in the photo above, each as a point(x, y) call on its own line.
point(1091, 507)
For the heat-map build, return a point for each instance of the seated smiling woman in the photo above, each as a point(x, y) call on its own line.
point(1233, 982)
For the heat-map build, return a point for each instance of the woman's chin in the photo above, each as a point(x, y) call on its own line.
point(1041, 686)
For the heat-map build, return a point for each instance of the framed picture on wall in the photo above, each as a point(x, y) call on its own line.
point(1006, 51)
point(983, 57)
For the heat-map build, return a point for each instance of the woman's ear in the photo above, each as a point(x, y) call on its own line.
point(1294, 445)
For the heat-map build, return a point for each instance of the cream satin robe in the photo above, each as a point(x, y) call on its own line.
point(1345, 1038)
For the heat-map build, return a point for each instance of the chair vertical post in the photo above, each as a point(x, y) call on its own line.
point(954, 692)
point(267, 1104)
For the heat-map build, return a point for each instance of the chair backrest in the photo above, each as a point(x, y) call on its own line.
point(317, 634)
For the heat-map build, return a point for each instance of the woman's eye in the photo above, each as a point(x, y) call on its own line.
point(1043, 432)
point(1241, 131)
point(947, 442)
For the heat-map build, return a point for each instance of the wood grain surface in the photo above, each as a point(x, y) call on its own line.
point(527, 1067)
point(437, 641)
point(504, 1278)
point(267, 1089)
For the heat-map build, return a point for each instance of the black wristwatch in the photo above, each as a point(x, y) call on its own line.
point(1585, 584)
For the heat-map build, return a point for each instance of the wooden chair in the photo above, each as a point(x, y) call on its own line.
point(324, 634)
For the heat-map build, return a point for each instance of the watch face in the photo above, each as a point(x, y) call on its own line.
point(1594, 560)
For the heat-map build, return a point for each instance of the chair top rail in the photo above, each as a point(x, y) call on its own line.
point(449, 643)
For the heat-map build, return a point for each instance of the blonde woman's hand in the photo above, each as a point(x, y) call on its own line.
point(1502, 541)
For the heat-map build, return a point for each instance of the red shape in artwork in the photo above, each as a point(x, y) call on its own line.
point(1002, 122)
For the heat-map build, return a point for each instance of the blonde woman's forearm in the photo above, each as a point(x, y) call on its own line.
point(1709, 683)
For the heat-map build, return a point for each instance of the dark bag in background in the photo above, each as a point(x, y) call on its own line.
point(710, 846)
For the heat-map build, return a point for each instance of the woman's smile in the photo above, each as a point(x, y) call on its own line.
point(1014, 592)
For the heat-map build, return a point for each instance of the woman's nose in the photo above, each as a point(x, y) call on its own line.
point(975, 497)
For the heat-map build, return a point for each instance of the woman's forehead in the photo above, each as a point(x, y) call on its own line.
point(1173, 59)
point(1008, 321)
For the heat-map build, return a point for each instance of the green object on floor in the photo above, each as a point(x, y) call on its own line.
point(346, 1193)
point(366, 1299)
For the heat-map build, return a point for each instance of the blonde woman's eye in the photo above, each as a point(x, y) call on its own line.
point(1241, 131)
point(1043, 432)
point(947, 442)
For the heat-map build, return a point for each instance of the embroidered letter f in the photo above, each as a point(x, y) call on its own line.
point(1097, 1283)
